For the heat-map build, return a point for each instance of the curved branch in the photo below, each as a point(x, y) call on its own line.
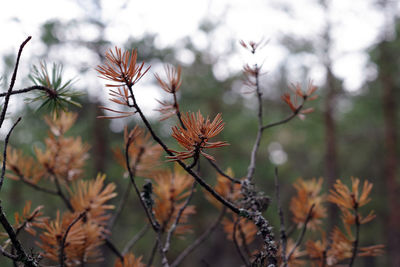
point(176, 222)
point(13, 78)
point(28, 89)
point(221, 172)
point(3, 169)
point(295, 113)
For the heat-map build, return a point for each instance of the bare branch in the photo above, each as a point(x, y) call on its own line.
point(221, 172)
point(3, 169)
point(282, 221)
point(125, 196)
point(178, 216)
point(28, 89)
point(13, 78)
point(37, 187)
point(22, 255)
point(7, 254)
point(252, 165)
point(294, 114)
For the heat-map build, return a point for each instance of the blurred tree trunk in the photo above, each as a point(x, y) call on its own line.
point(387, 78)
point(100, 142)
point(331, 161)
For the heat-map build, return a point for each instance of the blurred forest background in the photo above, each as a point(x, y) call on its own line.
point(351, 133)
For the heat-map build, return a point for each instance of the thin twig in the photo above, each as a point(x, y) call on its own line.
point(189, 249)
point(61, 194)
point(178, 112)
point(28, 89)
point(355, 244)
point(252, 165)
point(221, 172)
point(3, 169)
point(242, 256)
point(282, 220)
point(7, 254)
point(13, 78)
point(120, 207)
point(135, 239)
point(153, 253)
point(294, 114)
point(64, 239)
point(114, 249)
point(152, 221)
point(178, 216)
point(37, 187)
point(22, 255)
point(164, 259)
point(125, 196)
point(303, 231)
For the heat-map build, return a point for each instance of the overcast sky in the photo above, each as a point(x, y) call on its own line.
point(357, 24)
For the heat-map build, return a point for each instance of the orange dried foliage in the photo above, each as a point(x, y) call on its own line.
point(29, 220)
point(91, 196)
point(167, 109)
point(82, 243)
point(60, 123)
point(173, 82)
point(225, 188)
point(171, 189)
point(130, 261)
point(144, 155)
point(244, 227)
point(316, 250)
point(308, 193)
point(121, 68)
point(296, 258)
point(343, 197)
point(298, 93)
point(23, 167)
point(63, 157)
point(195, 138)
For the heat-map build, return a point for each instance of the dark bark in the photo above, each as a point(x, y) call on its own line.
point(331, 162)
point(387, 78)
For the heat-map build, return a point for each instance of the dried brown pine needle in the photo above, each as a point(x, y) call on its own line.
point(308, 194)
point(130, 261)
point(195, 138)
